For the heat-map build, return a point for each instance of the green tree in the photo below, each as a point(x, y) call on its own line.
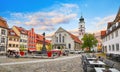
point(22, 48)
point(89, 41)
point(49, 47)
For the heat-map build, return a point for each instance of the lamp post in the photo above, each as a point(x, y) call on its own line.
point(44, 51)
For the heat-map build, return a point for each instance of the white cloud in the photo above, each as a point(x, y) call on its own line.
point(46, 20)
point(104, 20)
point(49, 36)
point(45, 28)
point(99, 23)
point(97, 18)
point(70, 5)
point(74, 31)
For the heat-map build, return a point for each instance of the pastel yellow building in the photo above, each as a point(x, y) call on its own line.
point(39, 43)
point(13, 41)
point(22, 33)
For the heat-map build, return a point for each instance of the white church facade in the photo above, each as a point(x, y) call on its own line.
point(63, 39)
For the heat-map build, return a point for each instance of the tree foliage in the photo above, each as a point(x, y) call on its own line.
point(22, 48)
point(49, 47)
point(89, 41)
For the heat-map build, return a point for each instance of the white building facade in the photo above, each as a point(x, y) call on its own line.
point(65, 40)
point(3, 35)
point(111, 41)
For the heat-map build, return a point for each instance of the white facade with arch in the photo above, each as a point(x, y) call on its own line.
point(64, 40)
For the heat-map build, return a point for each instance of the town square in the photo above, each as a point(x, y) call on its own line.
point(60, 36)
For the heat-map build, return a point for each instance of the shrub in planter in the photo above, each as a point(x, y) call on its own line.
point(22, 53)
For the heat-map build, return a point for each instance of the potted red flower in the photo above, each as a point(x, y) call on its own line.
point(22, 49)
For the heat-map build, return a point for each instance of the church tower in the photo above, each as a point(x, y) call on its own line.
point(81, 27)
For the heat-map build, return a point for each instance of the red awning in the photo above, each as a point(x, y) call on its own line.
point(32, 49)
point(55, 50)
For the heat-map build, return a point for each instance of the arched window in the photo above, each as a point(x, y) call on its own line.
point(59, 37)
point(63, 39)
point(69, 45)
point(2, 48)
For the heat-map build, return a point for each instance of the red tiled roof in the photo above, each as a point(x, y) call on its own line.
point(3, 23)
point(22, 30)
point(12, 33)
point(75, 38)
point(39, 39)
point(48, 41)
point(103, 33)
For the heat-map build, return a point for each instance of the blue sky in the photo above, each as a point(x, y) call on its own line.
point(48, 15)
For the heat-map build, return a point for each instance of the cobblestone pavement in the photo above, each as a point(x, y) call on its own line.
point(4, 59)
point(35, 60)
point(61, 64)
point(116, 64)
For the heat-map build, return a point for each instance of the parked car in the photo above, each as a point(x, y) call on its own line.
point(66, 52)
point(76, 51)
point(72, 51)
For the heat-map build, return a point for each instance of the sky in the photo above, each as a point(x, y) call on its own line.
point(48, 15)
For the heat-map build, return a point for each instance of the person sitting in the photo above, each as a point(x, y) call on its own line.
point(100, 58)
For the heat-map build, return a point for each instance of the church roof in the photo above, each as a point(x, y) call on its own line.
point(81, 19)
point(75, 38)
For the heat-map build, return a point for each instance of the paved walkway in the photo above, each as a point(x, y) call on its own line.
point(3, 57)
point(116, 64)
point(41, 60)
